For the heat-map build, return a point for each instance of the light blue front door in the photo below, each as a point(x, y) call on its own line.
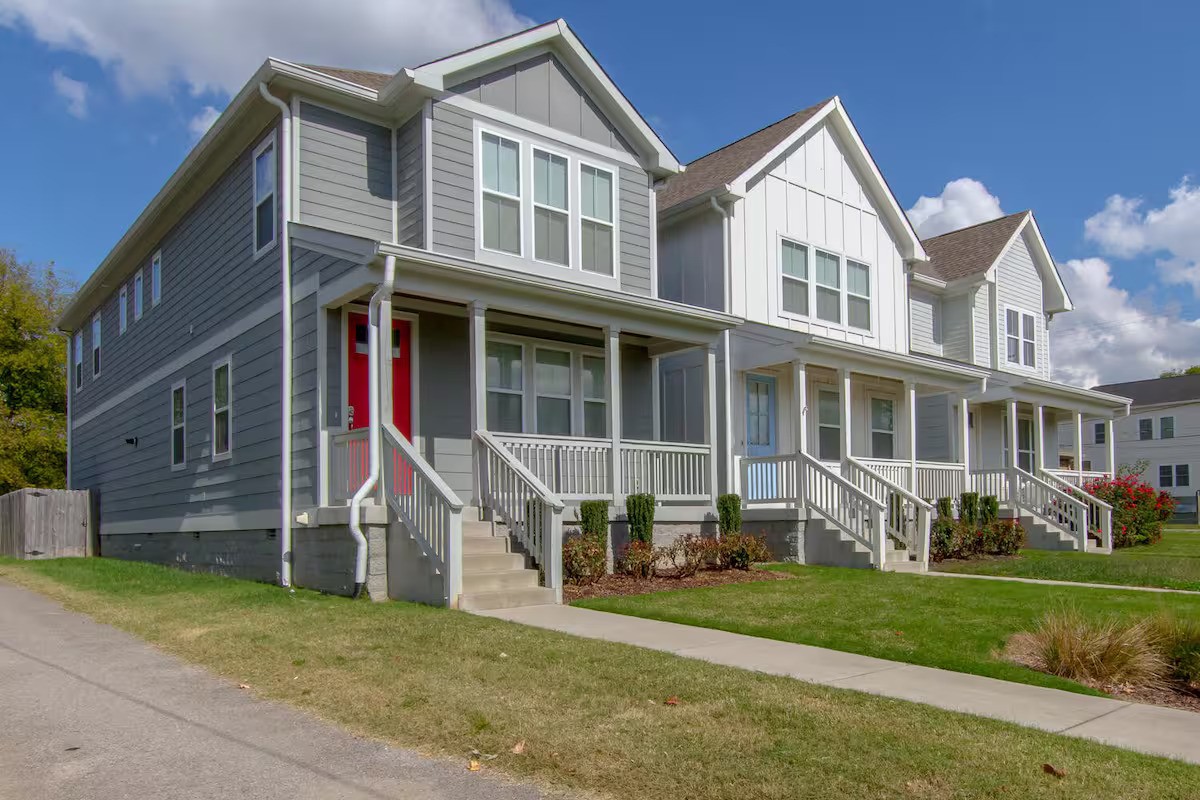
point(760, 415)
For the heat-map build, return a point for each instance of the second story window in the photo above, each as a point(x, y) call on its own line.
point(1020, 331)
point(79, 359)
point(156, 278)
point(858, 294)
point(122, 310)
point(551, 213)
point(829, 287)
point(222, 409)
point(1098, 433)
point(96, 345)
point(1166, 427)
point(834, 289)
point(794, 262)
point(1145, 429)
point(264, 196)
point(137, 296)
point(596, 219)
point(501, 194)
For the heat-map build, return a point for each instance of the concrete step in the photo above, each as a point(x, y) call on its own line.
point(474, 583)
point(904, 566)
point(484, 545)
point(509, 598)
point(492, 562)
point(477, 528)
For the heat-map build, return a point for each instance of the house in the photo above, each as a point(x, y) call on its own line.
point(371, 311)
point(1161, 429)
point(875, 372)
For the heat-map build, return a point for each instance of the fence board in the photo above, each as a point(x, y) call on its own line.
point(45, 523)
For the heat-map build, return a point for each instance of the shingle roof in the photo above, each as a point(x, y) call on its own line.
point(1156, 390)
point(969, 251)
point(371, 80)
point(722, 166)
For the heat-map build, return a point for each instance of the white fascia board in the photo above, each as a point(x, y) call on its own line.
point(910, 243)
point(433, 78)
point(936, 371)
point(314, 77)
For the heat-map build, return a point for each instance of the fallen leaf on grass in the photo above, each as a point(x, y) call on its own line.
point(473, 765)
point(1050, 769)
point(671, 701)
point(243, 686)
point(518, 748)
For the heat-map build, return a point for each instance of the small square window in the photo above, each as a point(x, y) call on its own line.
point(1166, 427)
point(1165, 476)
point(1098, 433)
point(1145, 429)
point(1182, 478)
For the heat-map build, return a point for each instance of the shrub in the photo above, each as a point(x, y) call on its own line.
point(639, 511)
point(593, 518)
point(941, 536)
point(584, 559)
point(729, 514)
point(740, 550)
point(1101, 652)
point(945, 508)
point(1181, 644)
point(690, 553)
point(1002, 537)
point(989, 509)
point(968, 508)
point(639, 559)
point(1138, 510)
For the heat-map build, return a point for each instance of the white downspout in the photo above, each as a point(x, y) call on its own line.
point(727, 377)
point(375, 434)
point(285, 392)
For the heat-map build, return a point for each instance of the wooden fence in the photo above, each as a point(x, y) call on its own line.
point(46, 523)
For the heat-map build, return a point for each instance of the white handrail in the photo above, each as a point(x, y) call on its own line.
point(907, 516)
point(1074, 476)
point(348, 463)
point(533, 513)
point(1051, 504)
point(858, 514)
point(992, 482)
point(1099, 513)
point(426, 505)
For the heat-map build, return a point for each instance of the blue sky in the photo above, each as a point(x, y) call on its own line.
point(1050, 106)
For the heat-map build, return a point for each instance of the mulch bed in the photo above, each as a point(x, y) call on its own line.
point(1178, 696)
point(618, 585)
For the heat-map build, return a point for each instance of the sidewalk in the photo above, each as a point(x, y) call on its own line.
point(1051, 582)
point(1148, 729)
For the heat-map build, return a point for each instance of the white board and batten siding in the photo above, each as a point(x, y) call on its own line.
point(1019, 286)
point(814, 196)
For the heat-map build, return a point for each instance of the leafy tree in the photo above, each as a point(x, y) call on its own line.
point(1177, 373)
point(33, 376)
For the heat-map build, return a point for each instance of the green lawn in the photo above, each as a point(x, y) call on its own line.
point(938, 622)
point(1173, 563)
point(591, 713)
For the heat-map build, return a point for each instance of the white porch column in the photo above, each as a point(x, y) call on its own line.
point(612, 379)
point(844, 375)
point(964, 438)
point(799, 406)
point(1079, 445)
point(910, 401)
point(656, 397)
point(710, 418)
point(729, 475)
point(1110, 447)
point(477, 334)
point(1039, 438)
point(1011, 405)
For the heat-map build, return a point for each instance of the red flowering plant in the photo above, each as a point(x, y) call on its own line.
point(1138, 510)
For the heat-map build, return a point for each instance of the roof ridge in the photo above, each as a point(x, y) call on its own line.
point(978, 224)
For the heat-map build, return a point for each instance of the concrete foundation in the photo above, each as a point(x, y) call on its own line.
point(251, 555)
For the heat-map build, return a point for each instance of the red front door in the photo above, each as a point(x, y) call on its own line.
point(358, 415)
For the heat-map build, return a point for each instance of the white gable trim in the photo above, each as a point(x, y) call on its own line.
point(833, 111)
point(440, 75)
point(1051, 279)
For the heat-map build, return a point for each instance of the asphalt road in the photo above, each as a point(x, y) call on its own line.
point(87, 711)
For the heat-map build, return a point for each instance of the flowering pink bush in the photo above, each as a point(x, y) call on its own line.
point(1138, 510)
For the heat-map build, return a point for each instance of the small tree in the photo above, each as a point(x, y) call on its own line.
point(639, 511)
point(729, 514)
point(968, 508)
point(593, 519)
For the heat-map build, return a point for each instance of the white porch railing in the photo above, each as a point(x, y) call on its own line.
point(767, 480)
point(1075, 477)
point(580, 469)
point(934, 478)
point(519, 499)
point(1046, 501)
point(990, 482)
point(426, 506)
point(1099, 513)
point(348, 464)
point(907, 516)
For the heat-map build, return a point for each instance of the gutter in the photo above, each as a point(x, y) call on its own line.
point(379, 339)
point(285, 383)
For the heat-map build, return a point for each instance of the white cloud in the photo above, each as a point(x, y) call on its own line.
point(199, 124)
point(152, 46)
point(1112, 336)
point(73, 91)
point(1124, 230)
point(963, 202)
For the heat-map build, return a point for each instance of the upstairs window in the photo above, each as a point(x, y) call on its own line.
point(1166, 427)
point(1145, 429)
point(222, 409)
point(838, 289)
point(1098, 433)
point(79, 359)
point(264, 196)
point(137, 296)
point(829, 294)
point(122, 310)
point(156, 278)
point(858, 295)
point(96, 345)
point(1021, 338)
point(178, 424)
point(793, 260)
point(596, 219)
point(501, 194)
point(551, 213)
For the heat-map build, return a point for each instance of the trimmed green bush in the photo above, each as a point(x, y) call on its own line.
point(968, 508)
point(729, 514)
point(945, 508)
point(639, 511)
point(989, 509)
point(593, 519)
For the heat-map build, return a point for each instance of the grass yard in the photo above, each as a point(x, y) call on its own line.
point(938, 622)
point(592, 714)
point(1173, 563)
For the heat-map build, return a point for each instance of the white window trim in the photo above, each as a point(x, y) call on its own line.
point(79, 360)
point(872, 430)
point(97, 342)
point(614, 177)
point(529, 393)
point(836, 392)
point(525, 262)
point(1170, 483)
point(267, 143)
point(181, 386)
point(122, 310)
point(1178, 467)
point(1149, 438)
point(1004, 445)
point(584, 399)
point(534, 204)
point(843, 286)
point(139, 305)
point(522, 214)
point(784, 277)
point(227, 361)
point(1021, 340)
point(156, 278)
point(570, 397)
point(1160, 427)
point(502, 390)
point(1098, 433)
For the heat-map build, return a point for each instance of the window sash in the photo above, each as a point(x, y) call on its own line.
point(1182, 476)
point(1098, 433)
point(597, 228)
point(1145, 429)
point(137, 296)
point(551, 208)
point(178, 425)
point(829, 425)
point(1020, 330)
point(1166, 427)
point(96, 330)
point(264, 191)
point(79, 360)
point(122, 310)
point(222, 407)
point(883, 427)
point(156, 279)
point(1166, 476)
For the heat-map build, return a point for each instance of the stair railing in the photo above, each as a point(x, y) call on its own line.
point(907, 517)
point(859, 515)
point(1050, 504)
point(1099, 513)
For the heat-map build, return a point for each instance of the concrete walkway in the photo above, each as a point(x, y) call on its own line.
point(90, 712)
point(1049, 582)
point(1150, 729)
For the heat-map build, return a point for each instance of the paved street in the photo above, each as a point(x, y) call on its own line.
point(87, 711)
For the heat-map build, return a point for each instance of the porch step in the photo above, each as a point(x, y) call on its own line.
point(904, 566)
point(1042, 535)
point(473, 528)
point(498, 581)
point(509, 598)
point(492, 562)
point(484, 545)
